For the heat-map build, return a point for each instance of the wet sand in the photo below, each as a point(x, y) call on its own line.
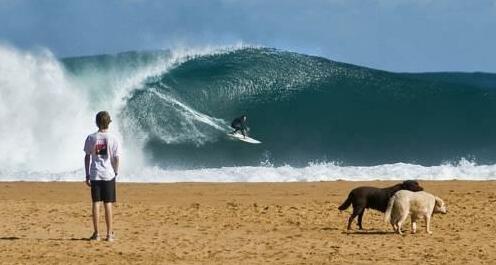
point(239, 223)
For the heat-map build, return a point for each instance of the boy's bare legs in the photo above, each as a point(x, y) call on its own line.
point(95, 209)
point(96, 216)
point(108, 219)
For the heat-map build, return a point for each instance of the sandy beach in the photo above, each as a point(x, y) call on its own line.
point(239, 223)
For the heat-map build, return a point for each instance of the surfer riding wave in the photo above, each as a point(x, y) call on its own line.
point(239, 125)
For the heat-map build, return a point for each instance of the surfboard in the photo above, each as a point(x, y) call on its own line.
point(246, 139)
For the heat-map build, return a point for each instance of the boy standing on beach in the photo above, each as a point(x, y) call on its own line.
point(101, 164)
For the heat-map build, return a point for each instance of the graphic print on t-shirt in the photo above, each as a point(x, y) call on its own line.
point(101, 147)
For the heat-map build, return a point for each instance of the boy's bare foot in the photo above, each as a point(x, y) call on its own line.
point(95, 237)
point(111, 237)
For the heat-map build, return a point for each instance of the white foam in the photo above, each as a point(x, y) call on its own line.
point(463, 170)
point(41, 112)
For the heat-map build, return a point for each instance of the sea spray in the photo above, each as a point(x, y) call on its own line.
point(42, 114)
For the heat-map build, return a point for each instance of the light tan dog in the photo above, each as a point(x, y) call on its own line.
point(418, 204)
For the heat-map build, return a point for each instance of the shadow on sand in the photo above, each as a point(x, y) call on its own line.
point(9, 238)
point(51, 239)
point(364, 232)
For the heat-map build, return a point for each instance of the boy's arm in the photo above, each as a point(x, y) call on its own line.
point(87, 168)
point(115, 165)
point(115, 161)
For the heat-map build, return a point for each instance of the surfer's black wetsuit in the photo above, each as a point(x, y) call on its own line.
point(239, 124)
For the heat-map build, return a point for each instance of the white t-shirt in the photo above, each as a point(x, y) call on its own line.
point(103, 147)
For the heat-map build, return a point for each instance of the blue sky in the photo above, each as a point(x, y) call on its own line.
point(396, 35)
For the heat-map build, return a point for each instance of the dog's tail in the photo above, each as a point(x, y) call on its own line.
point(389, 209)
point(346, 203)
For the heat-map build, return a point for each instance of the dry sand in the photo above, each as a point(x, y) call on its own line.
point(240, 223)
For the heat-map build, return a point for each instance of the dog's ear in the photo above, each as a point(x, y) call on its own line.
point(412, 185)
point(439, 202)
point(406, 184)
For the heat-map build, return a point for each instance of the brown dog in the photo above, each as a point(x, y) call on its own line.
point(375, 198)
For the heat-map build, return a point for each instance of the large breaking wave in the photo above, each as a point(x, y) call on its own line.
point(318, 119)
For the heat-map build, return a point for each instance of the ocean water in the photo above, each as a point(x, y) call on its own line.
point(318, 119)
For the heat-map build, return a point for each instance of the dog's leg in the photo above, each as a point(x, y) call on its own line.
point(414, 224)
point(428, 224)
point(394, 222)
point(350, 220)
point(360, 216)
point(356, 211)
point(395, 227)
point(399, 228)
point(401, 221)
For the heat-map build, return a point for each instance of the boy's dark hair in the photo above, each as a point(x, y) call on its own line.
point(103, 120)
